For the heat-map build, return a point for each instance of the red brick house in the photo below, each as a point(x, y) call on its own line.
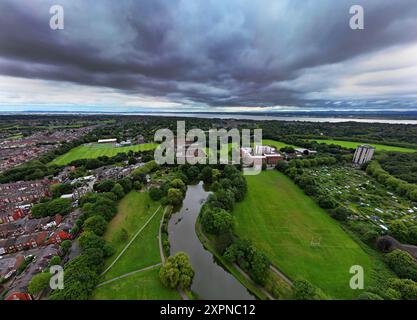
point(31, 241)
point(19, 296)
point(58, 237)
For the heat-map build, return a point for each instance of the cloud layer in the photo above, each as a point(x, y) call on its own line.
point(187, 54)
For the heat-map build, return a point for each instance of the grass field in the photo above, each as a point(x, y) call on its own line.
point(144, 286)
point(282, 221)
point(353, 145)
point(134, 211)
point(96, 150)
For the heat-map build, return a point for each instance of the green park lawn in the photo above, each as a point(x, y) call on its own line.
point(282, 221)
point(354, 145)
point(134, 210)
point(143, 285)
point(96, 150)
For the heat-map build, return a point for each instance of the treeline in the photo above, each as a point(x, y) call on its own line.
point(81, 275)
point(32, 170)
point(401, 165)
point(52, 207)
point(401, 135)
point(402, 288)
point(399, 186)
point(294, 170)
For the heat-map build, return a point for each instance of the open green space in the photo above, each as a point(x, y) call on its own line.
point(285, 223)
point(144, 285)
point(134, 211)
point(354, 145)
point(95, 150)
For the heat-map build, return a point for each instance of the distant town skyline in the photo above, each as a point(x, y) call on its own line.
point(208, 56)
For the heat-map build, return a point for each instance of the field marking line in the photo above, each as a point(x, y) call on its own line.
point(130, 242)
point(128, 274)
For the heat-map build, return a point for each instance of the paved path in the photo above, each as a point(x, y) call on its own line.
point(281, 275)
point(161, 247)
point(243, 273)
point(128, 274)
point(183, 295)
point(130, 242)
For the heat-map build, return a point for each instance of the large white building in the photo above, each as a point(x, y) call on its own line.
point(363, 154)
point(107, 140)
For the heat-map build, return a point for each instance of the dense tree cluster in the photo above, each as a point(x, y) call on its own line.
point(52, 207)
point(32, 170)
point(304, 290)
point(217, 221)
point(401, 165)
point(60, 189)
point(399, 186)
point(39, 282)
point(402, 264)
point(81, 274)
point(249, 259)
point(292, 132)
point(312, 162)
point(405, 232)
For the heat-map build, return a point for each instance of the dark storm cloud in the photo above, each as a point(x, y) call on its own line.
point(215, 53)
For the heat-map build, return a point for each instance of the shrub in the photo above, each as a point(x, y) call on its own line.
point(402, 264)
point(304, 290)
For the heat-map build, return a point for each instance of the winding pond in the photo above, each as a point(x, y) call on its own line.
point(211, 281)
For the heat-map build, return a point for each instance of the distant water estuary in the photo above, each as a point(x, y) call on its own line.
point(303, 118)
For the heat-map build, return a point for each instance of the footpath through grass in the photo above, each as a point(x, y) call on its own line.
point(354, 145)
point(282, 221)
point(95, 150)
point(141, 286)
point(133, 212)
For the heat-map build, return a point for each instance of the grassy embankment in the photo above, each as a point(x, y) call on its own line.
point(282, 221)
point(133, 212)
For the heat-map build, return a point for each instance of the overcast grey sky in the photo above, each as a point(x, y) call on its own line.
point(233, 55)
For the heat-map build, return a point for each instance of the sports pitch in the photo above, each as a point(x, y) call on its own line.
point(95, 150)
